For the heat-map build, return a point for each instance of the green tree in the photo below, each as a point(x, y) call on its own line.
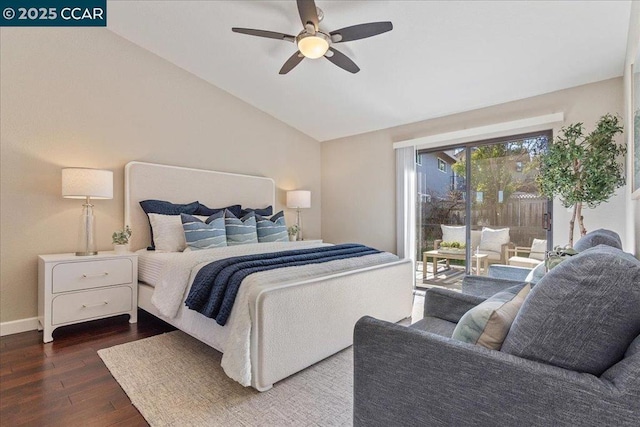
point(583, 169)
point(492, 169)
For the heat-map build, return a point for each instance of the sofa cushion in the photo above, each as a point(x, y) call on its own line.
point(598, 237)
point(435, 325)
point(454, 233)
point(492, 240)
point(583, 314)
point(536, 274)
point(488, 323)
point(494, 256)
point(538, 249)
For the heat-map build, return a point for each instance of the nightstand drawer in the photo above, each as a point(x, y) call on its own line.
point(91, 274)
point(86, 305)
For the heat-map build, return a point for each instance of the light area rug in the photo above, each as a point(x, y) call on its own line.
point(175, 380)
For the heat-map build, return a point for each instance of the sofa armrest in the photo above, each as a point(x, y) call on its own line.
point(405, 376)
point(504, 251)
point(483, 286)
point(436, 244)
point(448, 305)
point(509, 272)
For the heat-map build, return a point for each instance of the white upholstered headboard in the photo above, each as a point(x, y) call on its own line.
point(175, 184)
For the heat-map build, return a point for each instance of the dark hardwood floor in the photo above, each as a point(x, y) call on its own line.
point(65, 383)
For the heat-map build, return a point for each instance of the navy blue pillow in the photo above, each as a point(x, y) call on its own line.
point(166, 208)
point(268, 211)
point(205, 211)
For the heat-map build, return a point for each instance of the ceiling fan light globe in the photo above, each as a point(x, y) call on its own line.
point(313, 47)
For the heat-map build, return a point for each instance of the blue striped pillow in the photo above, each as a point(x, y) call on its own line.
point(200, 235)
point(272, 229)
point(240, 231)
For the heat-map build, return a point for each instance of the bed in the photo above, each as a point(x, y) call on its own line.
point(290, 322)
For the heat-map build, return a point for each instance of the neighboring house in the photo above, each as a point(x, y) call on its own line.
point(435, 177)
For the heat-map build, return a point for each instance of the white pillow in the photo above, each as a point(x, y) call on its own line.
point(538, 249)
point(168, 234)
point(451, 233)
point(492, 240)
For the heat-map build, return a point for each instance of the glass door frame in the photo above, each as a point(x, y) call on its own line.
point(467, 146)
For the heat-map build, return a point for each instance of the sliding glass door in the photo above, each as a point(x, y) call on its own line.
point(486, 185)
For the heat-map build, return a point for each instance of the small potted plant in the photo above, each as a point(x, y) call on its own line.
point(120, 240)
point(293, 232)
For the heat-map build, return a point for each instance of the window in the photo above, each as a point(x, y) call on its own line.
point(442, 165)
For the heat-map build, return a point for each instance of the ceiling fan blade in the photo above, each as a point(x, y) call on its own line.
point(308, 12)
point(291, 62)
point(264, 33)
point(342, 61)
point(361, 31)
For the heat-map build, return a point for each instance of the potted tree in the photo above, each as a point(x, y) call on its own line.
point(120, 240)
point(583, 169)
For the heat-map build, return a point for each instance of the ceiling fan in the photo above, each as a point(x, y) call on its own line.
point(313, 43)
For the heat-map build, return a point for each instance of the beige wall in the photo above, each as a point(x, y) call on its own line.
point(90, 98)
point(358, 173)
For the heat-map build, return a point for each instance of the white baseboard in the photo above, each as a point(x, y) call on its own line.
point(17, 326)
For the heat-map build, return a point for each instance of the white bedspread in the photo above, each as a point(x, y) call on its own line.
point(178, 274)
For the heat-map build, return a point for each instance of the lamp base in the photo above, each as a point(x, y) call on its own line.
point(87, 231)
point(86, 253)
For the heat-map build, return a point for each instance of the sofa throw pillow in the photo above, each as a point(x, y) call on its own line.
point(538, 249)
point(240, 231)
point(268, 211)
point(583, 314)
point(163, 207)
point(492, 240)
point(488, 323)
point(204, 235)
point(454, 233)
point(272, 229)
point(206, 211)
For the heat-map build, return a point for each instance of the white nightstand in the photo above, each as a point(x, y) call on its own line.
point(74, 289)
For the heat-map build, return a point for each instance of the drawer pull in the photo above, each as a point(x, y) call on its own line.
point(95, 305)
point(89, 276)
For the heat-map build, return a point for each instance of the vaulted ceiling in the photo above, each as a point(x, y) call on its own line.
point(442, 57)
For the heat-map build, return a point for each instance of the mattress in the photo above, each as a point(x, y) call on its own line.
point(150, 265)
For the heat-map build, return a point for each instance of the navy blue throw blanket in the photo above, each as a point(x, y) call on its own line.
point(216, 285)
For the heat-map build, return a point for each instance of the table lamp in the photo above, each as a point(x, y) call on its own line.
point(299, 199)
point(80, 183)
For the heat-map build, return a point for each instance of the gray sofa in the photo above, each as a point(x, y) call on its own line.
point(572, 356)
point(509, 275)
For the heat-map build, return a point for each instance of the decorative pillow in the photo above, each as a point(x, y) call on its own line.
point(240, 231)
point(598, 237)
point(492, 240)
point(268, 211)
point(168, 234)
point(452, 233)
point(536, 274)
point(201, 235)
point(538, 249)
point(204, 210)
point(272, 229)
point(583, 314)
point(165, 208)
point(488, 323)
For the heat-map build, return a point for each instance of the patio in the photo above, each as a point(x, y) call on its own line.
point(450, 278)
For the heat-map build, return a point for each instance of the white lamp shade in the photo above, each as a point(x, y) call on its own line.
point(299, 199)
point(79, 183)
